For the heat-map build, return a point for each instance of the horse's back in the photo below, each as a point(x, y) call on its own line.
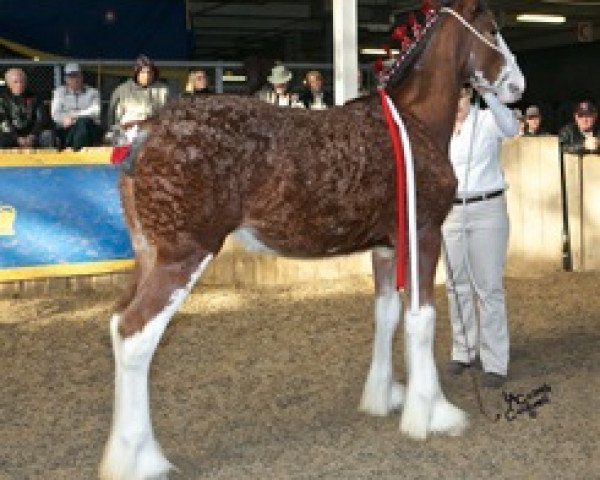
point(221, 162)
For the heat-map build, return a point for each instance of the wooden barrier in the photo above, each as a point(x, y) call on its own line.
point(532, 168)
point(583, 188)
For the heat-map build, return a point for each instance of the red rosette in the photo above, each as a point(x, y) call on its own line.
point(400, 33)
point(427, 8)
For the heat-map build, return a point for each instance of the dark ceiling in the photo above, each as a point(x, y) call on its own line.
point(301, 31)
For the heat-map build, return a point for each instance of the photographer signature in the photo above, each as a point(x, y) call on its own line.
point(520, 404)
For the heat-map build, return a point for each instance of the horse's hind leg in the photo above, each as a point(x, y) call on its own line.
point(131, 452)
point(145, 254)
point(425, 408)
point(381, 394)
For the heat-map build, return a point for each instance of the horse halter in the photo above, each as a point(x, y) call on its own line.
point(470, 27)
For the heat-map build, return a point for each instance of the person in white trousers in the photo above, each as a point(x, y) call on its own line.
point(476, 238)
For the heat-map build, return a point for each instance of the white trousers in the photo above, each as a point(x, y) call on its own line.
point(476, 260)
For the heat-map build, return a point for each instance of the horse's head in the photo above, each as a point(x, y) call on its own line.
point(490, 64)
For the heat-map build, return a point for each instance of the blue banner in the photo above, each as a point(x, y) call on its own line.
point(61, 215)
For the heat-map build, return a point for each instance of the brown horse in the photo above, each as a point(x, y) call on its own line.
point(302, 184)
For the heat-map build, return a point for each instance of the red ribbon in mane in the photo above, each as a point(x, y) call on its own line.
point(401, 235)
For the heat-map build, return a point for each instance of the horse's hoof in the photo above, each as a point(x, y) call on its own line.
point(448, 419)
point(414, 423)
point(381, 400)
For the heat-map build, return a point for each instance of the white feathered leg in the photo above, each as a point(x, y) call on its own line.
point(132, 453)
point(381, 394)
point(426, 409)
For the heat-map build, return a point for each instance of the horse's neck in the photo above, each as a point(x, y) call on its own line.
point(430, 93)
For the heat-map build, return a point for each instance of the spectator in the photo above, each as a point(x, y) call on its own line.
point(197, 84)
point(23, 118)
point(313, 96)
point(136, 100)
point(521, 119)
point(476, 239)
point(583, 135)
point(76, 111)
point(278, 93)
point(533, 120)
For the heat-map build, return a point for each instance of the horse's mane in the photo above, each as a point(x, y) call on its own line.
point(402, 67)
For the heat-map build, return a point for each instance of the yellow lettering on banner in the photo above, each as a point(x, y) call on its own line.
point(8, 215)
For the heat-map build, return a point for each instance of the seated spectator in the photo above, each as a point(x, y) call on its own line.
point(76, 111)
point(278, 94)
point(521, 119)
point(136, 100)
point(583, 135)
point(23, 118)
point(313, 96)
point(533, 120)
point(197, 84)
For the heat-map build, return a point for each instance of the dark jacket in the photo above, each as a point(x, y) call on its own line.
point(572, 140)
point(307, 98)
point(199, 93)
point(22, 114)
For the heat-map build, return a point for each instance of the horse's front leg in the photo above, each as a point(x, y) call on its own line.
point(425, 408)
point(381, 394)
point(132, 452)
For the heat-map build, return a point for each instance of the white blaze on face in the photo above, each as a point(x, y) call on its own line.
point(510, 83)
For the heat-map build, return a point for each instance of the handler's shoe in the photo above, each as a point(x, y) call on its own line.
point(492, 380)
point(456, 368)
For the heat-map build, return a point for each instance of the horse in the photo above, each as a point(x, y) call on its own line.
point(302, 184)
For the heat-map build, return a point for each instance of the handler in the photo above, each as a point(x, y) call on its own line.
point(476, 238)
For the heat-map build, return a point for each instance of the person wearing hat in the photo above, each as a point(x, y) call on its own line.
point(533, 120)
point(583, 134)
point(24, 121)
point(136, 100)
point(75, 110)
point(278, 94)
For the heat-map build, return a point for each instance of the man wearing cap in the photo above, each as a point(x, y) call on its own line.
point(279, 79)
point(533, 120)
point(583, 135)
point(76, 111)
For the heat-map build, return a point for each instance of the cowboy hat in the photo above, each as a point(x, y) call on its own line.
point(279, 75)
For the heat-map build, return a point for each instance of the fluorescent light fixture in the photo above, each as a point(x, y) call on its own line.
point(234, 78)
point(541, 18)
point(377, 51)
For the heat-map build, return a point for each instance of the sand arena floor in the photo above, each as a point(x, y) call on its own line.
point(265, 383)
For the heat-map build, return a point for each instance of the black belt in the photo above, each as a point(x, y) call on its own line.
point(479, 198)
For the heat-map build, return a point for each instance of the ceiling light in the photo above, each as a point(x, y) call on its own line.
point(230, 77)
point(540, 18)
point(377, 51)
